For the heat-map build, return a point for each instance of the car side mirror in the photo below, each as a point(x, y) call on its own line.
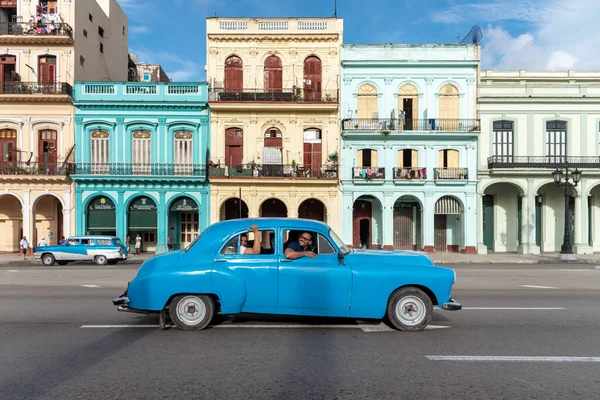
point(341, 258)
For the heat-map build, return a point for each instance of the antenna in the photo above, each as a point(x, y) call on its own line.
point(334, 8)
point(473, 37)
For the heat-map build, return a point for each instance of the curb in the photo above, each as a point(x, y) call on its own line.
point(27, 263)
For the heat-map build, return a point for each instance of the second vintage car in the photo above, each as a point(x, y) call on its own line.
point(99, 249)
point(297, 267)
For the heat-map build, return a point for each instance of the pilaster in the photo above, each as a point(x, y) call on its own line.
point(528, 245)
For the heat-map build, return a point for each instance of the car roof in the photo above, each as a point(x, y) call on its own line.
point(226, 228)
point(93, 237)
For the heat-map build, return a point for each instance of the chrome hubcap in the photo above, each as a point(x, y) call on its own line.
point(411, 310)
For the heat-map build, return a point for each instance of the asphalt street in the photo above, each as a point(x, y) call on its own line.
point(525, 333)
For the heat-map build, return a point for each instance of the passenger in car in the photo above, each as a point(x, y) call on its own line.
point(255, 249)
point(300, 248)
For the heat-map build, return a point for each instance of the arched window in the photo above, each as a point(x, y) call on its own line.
point(367, 102)
point(449, 112)
point(234, 75)
point(234, 147)
point(99, 150)
point(273, 153)
point(312, 151)
point(312, 79)
point(408, 101)
point(273, 75)
point(141, 156)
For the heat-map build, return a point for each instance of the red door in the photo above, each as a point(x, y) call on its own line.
point(273, 75)
point(312, 79)
point(234, 147)
point(47, 74)
point(312, 158)
point(47, 150)
point(361, 224)
point(7, 70)
point(234, 75)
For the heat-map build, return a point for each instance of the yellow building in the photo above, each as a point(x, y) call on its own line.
point(274, 103)
point(45, 46)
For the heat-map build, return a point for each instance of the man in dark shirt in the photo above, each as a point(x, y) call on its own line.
point(301, 248)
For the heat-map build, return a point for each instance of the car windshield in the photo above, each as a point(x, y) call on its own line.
point(339, 242)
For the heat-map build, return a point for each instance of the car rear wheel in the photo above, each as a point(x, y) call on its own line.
point(48, 259)
point(101, 260)
point(191, 312)
point(409, 309)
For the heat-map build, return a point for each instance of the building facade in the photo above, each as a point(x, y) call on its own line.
point(533, 123)
point(44, 47)
point(140, 167)
point(409, 146)
point(274, 103)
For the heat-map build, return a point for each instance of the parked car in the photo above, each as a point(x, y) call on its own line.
point(100, 249)
point(211, 277)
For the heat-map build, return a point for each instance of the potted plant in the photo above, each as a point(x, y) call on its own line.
point(384, 132)
point(294, 170)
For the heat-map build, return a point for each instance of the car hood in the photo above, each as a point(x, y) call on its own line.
point(391, 257)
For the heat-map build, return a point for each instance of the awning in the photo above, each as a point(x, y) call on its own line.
point(448, 205)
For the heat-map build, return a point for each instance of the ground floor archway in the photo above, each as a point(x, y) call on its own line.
point(232, 209)
point(48, 222)
point(366, 223)
point(273, 208)
point(143, 222)
point(183, 225)
point(312, 209)
point(448, 226)
point(407, 224)
point(501, 219)
point(550, 217)
point(101, 216)
point(11, 223)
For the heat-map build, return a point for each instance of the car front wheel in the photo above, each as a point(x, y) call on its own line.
point(409, 309)
point(48, 259)
point(191, 312)
point(101, 260)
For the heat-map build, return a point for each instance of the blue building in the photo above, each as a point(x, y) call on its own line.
point(409, 146)
point(140, 161)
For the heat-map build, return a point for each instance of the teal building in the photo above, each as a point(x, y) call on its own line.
point(139, 165)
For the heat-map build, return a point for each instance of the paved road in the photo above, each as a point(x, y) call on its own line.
point(56, 341)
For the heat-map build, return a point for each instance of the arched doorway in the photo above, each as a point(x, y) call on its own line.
point(312, 209)
point(447, 221)
point(408, 101)
point(234, 75)
point(366, 223)
point(233, 209)
point(407, 224)
point(273, 208)
point(47, 156)
point(234, 147)
point(11, 223)
point(502, 214)
point(143, 220)
point(550, 217)
point(449, 108)
point(312, 79)
point(184, 222)
point(101, 217)
point(48, 220)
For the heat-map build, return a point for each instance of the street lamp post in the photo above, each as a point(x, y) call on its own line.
point(575, 177)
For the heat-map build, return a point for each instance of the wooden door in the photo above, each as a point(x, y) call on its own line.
point(47, 74)
point(362, 211)
point(8, 146)
point(367, 107)
point(312, 157)
point(234, 75)
point(312, 79)
point(234, 147)
point(47, 149)
point(403, 228)
point(439, 222)
point(7, 71)
point(449, 111)
point(409, 103)
point(273, 75)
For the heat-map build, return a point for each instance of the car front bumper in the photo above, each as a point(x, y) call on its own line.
point(452, 305)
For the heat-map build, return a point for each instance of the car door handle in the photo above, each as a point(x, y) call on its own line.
point(219, 260)
point(285, 260)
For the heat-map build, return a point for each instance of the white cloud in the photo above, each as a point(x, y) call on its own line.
point(561, 34)
point(139, 29)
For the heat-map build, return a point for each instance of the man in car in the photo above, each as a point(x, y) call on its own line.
point(301, 248)
point(255, 249)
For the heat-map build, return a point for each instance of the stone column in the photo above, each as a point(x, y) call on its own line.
point(387, 241)
point(80, 215)
point(346, 216)
point(581, 240)
point(161, 243)
point(427, 223)
point(481, 247)
point(470, 222)
point(67, 210)
point(528, 245)
point(121, 215)
point(28, 220)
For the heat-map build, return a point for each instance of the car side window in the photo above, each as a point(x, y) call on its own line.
point(88, 242)
point(73, 242)
point(324, 246)
point(104, 242)
point(232, 246)
point(243, 241)
point(292, 236)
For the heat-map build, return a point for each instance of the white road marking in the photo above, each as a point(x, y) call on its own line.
point(538, 287)
point(576, 270)
point(515, 358)
point(13, 270)
point(91, 286)
point(514, 308)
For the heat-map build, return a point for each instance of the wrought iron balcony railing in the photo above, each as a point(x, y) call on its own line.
point(543, 162)
point(368, 173)
point(138, 169)
point(275, 171)
point(42, 28)
point(33, 168)
point(451, 173)
point(26, 88)
point(419, 173)
point(274, 95)
point(430, 124)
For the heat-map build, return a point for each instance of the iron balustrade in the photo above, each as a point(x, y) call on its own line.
point(543, 162)
point(275, 171)
point(34, 168)
point(61, 88)
point(419, 173)
point(274, 95)
point(451, 173)
point(393, 124)
point(368, 173)
point(138, 169)
point(41, 28)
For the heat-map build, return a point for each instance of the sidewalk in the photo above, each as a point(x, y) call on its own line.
point(437, 258)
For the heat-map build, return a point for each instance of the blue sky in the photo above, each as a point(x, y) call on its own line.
point(518, 34)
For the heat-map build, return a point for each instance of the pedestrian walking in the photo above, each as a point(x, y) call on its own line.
point(169, 242)
point(23, 245)
point(138, 244)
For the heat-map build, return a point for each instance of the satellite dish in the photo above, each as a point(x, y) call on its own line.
point(473, 37)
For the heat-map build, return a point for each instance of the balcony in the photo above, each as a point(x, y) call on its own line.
point(33, 168)
point(48, 31)
point(411, 174)
point(388, 125)
point(368, 173)
point(543, 162)
point(152, 170)
point(274, 26)
point(159, 92)
point(296, 95)
point(275, 171)
point(29, 91)
point(455, 174)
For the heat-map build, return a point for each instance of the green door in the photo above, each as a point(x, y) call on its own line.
point(488, 221)
point(538, 222)
point(519, 220)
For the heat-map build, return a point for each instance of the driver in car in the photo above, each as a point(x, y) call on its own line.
point(301, 248)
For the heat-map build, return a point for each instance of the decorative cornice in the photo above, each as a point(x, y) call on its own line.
point(429, 81)
point(388, 80)
point(271, 38)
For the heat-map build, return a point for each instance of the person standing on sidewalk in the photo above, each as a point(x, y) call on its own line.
point(169, 242)
point(138, 244)
point(23, 245)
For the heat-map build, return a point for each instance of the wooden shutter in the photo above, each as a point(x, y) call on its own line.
point(449, 102)
point(273, 74)
point(441, 159)
point(400, 158)
point(415, 158)
point(452, 158)
point(234, 146)
point(234, 75)
point(374, 163)
point(312, 79)
point(367, 101)
point(359, 158)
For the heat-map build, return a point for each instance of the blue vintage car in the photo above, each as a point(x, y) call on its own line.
point(99, 249)
point(277, 276)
